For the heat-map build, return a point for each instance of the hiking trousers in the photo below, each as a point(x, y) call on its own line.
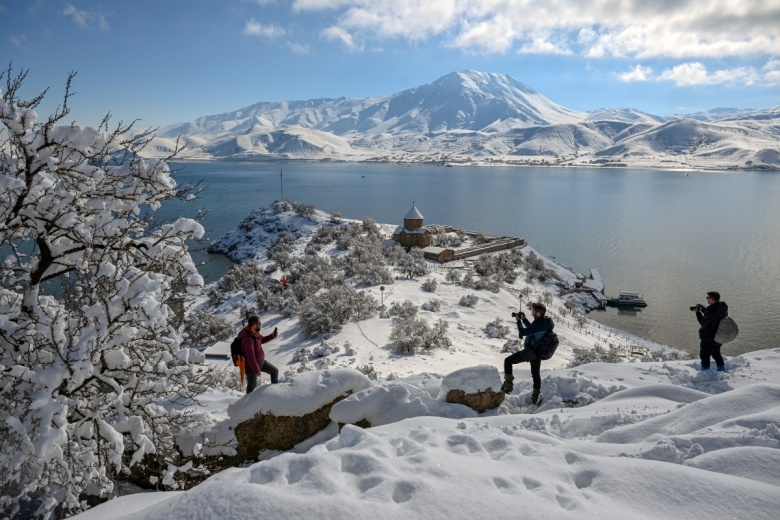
point(710, 348)
point(251, 377)
point(527, 354)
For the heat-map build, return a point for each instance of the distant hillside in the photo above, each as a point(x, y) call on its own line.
point(477, 117)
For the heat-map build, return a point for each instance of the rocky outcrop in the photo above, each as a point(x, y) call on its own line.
point(278, 432)
point(478, 401)
point(277, 417)
point(478, 387)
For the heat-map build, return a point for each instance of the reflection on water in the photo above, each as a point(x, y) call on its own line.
point(666, 234)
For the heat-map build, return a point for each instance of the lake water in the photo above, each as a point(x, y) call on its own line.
point(668, 234)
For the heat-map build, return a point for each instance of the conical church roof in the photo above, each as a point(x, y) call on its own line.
point(414, 214)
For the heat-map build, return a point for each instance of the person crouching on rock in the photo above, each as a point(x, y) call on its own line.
point(252, 346)
point(533, 332)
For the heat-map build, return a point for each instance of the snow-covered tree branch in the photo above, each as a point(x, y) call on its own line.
point(87, 348)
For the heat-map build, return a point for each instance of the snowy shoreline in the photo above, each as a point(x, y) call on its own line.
point(487, 164)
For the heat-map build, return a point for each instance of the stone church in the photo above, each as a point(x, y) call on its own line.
point(413, 233)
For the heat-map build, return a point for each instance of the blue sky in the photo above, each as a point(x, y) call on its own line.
point(167, 61)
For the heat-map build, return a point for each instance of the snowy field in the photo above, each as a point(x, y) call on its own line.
point(640, 439)
point(658, 440)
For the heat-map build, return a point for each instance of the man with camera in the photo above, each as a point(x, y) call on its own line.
point(532, 332)
point(709, 318)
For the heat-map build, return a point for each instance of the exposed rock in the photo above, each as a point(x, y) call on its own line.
point(277, 417)
point(271, 432)
point(479, 401)
point(478, 387)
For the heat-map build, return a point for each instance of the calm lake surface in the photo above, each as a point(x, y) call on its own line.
point(668, 234)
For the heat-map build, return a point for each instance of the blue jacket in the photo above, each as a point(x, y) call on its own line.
point(533, 332)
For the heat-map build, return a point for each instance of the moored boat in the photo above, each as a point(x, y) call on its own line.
point(628, 299)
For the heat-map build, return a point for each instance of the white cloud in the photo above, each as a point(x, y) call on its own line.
point(638, 73)
point(772, 72)
point(299, 48)
point(689, 74)
point(489, 36)
point(593, 28)
point(338, 34)
point(254, 28)
point(18, 40)
point(86, 19)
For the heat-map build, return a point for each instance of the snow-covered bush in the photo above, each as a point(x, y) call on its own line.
point(369, 371)
point(403, 310)
point(452, 276)
point(469, 300)
point(496, 329)
point(414, 263)
point(326, 311)
point(271, 297)
point(394, 254)
point(512, 345)
point(429, 285)
point(246, 276)
point(304, 210)
point(581, 319)
point(84, 372)
point(302, 355)
point(533, 262)
point(432, 305)
point(365, 263)
point(488, 283)
point(597, 354)
point(280, 250)
point(467, 282)
point(349, 349)
point(324, 349)
point(325, 234)
point(448, 239)
point(204, 328)
point(414, 334)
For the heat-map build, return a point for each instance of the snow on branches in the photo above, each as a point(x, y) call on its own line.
point(83, 370)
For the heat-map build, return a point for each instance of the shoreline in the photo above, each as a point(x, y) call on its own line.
point(480, 164)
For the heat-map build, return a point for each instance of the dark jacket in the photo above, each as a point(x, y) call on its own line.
point(252, 345)
point(709, 319)
point(533, 332)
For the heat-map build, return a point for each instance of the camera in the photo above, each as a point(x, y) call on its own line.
point(517, 314)
point(697, 307)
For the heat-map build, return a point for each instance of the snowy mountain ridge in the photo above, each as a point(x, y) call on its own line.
point(472, 117)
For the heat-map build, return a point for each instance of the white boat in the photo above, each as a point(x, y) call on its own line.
point(627, 299)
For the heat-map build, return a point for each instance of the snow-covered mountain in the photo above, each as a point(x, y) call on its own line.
point(475, 117)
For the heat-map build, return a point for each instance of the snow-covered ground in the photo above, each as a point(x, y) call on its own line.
point(653, 439)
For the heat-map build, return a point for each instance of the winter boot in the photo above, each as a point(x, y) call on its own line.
point(535, 395)
point(508, 385)
point(702, 368)
point(722, 368)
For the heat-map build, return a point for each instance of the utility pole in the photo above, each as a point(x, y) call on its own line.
point(281, 182)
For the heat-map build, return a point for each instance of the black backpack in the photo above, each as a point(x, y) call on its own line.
point(546, 346)
point(236, 351)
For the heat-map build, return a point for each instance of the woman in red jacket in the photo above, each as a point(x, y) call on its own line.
point(252, 346)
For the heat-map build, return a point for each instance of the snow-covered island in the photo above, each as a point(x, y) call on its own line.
point(628, 428)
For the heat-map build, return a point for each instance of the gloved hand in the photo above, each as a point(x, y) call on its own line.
point(699, 307)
